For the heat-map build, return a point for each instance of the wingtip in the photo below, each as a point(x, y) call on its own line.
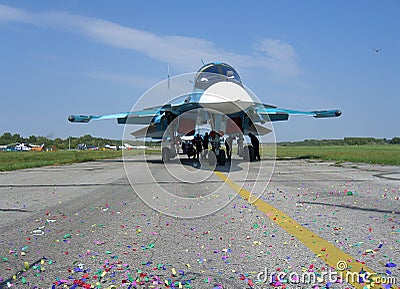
point(327, 113)
point(79, 118)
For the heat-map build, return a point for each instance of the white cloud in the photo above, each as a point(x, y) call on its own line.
point(134, 81)
point(279, 56)
point(179, 51)
point(11, 14)
point(182, 52)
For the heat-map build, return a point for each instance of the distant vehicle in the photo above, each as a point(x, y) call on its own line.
point(38, 148)
point(112, 147)
point(22, 147)
point(82, 146)
point(132, 147)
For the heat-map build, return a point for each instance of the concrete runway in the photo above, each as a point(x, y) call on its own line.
point(84, 223)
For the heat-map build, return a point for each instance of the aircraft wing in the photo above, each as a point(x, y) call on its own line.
point(156, 118)
point(138, 117)
point(271, 113)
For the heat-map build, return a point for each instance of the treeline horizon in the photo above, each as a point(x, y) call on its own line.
point(72, 142)
point(57, 143)
point(344, 141)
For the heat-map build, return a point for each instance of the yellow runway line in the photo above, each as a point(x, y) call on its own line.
point(323, 249)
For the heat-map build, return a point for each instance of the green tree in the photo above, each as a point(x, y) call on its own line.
point(6, 138)
point(32, 139)
point(17, 138)
point(395, 140)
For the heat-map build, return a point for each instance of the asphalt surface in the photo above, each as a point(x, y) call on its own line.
point(85, 223)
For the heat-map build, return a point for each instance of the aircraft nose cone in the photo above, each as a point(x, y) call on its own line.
point(71, 118)
point(338, 113)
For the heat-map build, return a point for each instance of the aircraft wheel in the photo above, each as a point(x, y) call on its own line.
point(212, 159)
point(166, 156)
point(248, 153)
point(251, 153)
point(222, 157)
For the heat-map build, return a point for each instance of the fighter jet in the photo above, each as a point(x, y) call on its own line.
point(218, 98)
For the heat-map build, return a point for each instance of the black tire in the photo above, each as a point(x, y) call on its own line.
point(251, 153)
point(248, 153)
point(245, 153)
point(222, 157)
point(166, 154)
point(212, 159)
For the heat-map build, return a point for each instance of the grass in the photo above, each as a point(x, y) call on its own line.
point(21, 160)
point(10, 161)
point(373, 154)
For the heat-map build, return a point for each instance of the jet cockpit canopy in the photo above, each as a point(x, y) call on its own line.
point(214, 72)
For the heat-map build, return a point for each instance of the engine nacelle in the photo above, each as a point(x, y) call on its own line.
point(327, 113)
point(79, 118)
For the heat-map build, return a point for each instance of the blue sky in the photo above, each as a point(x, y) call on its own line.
point(83, 57)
